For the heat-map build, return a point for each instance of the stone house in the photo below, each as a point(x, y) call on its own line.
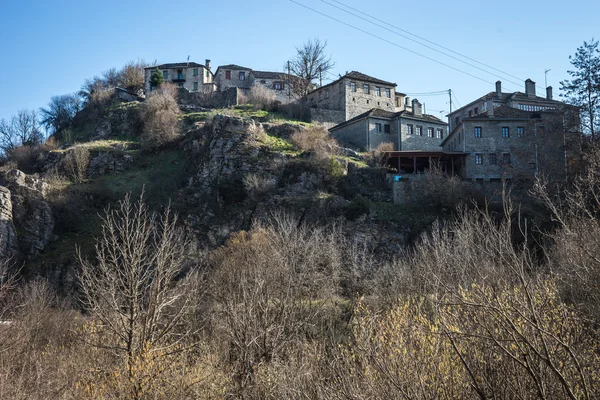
point(232, 75)
point(188, 75)
point(349, 96)
point(280, 83)
point(513, 135)
point(406, 130)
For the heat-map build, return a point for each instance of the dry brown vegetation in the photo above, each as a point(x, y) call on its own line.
point(475, 309)
point(159, 114)
point(315, 139)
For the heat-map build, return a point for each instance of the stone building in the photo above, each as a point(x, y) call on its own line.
point(349, 96)
point(232, 75)
point(513, 135)
point(188, 75)
point(280, 83)
point(406, 130)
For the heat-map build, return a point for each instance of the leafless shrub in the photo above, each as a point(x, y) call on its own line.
point(136, 294)
point(76, 162)
point(257, 185)
point(261, 97)
point(159, 114)
point(315, 139)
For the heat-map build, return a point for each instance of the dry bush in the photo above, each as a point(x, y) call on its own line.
point(378, 157)
point(26, 157)
point(159, 114)
point(271, 290)
point(257, 185)
point(51, 144)
point(315, 139)
point(296, 110)
point(76, 162)
point(261, 97)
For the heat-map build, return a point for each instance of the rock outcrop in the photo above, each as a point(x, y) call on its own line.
point(27, 223)
point(108, 162)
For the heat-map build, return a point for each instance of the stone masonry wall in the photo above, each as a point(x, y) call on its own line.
point(188, 74)
point(328, 118)
point(223, 83)
point(423, 142)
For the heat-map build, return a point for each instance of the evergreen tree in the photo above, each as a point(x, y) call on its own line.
point(584, 89)
point(156, 79)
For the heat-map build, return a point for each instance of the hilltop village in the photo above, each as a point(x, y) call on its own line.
point(498, 136)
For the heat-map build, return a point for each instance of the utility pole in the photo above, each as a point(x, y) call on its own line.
point(546, 77)
point(450, 96)
point(320, 78)
point(289, 79)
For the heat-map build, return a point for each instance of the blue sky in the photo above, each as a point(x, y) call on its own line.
point(50, 47)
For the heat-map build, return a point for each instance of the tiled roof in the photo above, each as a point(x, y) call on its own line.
point(233, 66)
point(424, 117)
point(177, 65)
point(359, 76)
point(379, 113)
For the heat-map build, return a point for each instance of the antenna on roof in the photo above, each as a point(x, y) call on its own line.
point(188, 62)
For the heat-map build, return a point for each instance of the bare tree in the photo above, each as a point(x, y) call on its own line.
point(310, 64)
point(61, 112)
point(22, 129)
point(134, 289)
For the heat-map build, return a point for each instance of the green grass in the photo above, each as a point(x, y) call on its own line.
point(114, 144)
point(359, 163)
point(244, 111)
point(275, 143)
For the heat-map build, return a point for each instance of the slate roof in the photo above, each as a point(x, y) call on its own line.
point(271, 75)
point(359, 76)
point(506, 97)
point(379, 113)
point(233, 66)
point(177, 65)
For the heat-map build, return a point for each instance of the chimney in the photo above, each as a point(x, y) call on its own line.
point(416, 108)
point(530, 88)
point(549, 92)
point(406, 102)
point(499, 89)
point(207, 64)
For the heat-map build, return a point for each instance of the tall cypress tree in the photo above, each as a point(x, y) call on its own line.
point(584, 89)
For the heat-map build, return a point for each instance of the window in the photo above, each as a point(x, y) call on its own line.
point(409, 129)
point(387, 128)
point(520, 131)
point(388, 93)
point(242, 76)
point(278, 86)
point(478, 158)
point(179, 74)
point(263, 81)
point(440, 133)
point(429, 132)
point(327, 94)
point(207, 74)
point(165, 75)
point(456, 120)
point(477, 131)
point(195, 71)
point(506, 158)
point(470, 113)
point(493, 159)
point(476, 111)
point(320, 96)
point(377, 91)
point(353, 86)
point(419, 130)
point(377, 127)
point(196, 86)
point(366, 88)
point(505, 132)
point(227, 74)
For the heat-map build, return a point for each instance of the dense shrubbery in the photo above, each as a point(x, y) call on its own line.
point(159, 114)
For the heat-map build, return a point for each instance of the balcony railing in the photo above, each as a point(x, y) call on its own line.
point(179, 78)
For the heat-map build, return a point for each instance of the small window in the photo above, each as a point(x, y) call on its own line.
point(470, 113)
point(366, 88)
point(165, 75)
point(196, 86)
point(506, 158)
point(227, 74)
point(477, 131)
point(327, 94)
point(505, 132)
point(520, 131)
point(409, 129)
point(207, 74)
point(478, 158)
point(476, 111)
point(493, 159)
point(377, 91)
point(195, 71)
point(440, 133)
point(388, 93)
point(242, 76)
point(430, 132)
point(278, 86)
point(456, 120)
point(263, 81)
point(387, 128)
point(353, 86)
point(377, 127)
point(419, 130)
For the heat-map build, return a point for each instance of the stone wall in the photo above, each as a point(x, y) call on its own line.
point(220, 99)
point(204, 77)
point(328, 118)
point(423, 142)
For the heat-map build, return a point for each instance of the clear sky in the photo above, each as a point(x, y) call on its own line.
point(50, 47)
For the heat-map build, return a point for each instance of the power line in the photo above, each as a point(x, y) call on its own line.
point(424, 45)
point(390, 42)
point(455, 99)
